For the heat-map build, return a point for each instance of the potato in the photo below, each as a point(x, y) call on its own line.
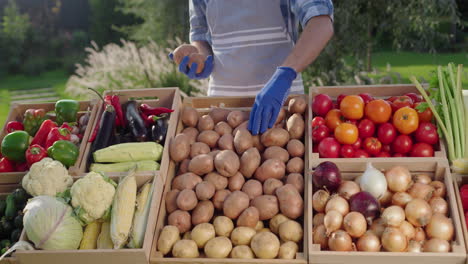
point(199, 148)
point(243, 141)
point(223, 128)
point(182, 51)
point(171, 200)
point(205, 123)
point(297, 180)
point(219, 114)
point(281, 124)
point(290, 231)
point(259, 226)
point(168, 237)
point(214, 152)
point(202, 233)
point(281, 116)
point(295, 126)
point(242, 235)
point(201, 164)
point(270, 185)
point(249, 162)
point(275, 137)
point(217, 180)
point(227, 163)
point(179, 148)
point(205, 190)
point(208, 137)
point(203, 212)
point(272, 168)
point(226, 142)
point(252, 188)
point(189, 117)
point(181, 220)
point(235, 118)
point(242, 252)
point(265, 245)
point(295, 148)
point(297, 105)
point(257, 143)
point(223, 226)
point(199, 59)
point(187, 235)
point(275, 152)
point(219, 197)
point(264, 229)
point(244, 125)
point(288, 250)
point(183, 166)
point(185, 249)
point(186, 200)
point(267, 206)
point(276, 221)
point(235, 203)
point(218, 247)
point(249, 217)
point(290, 201)
point(236, 182)
point(186, 181)
point(191, 133)
point(295, 165)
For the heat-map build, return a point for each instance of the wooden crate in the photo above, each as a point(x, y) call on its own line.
point(164, 97)
point(458, 181)
point(378, 91)
point(6, 189)
point(16, 114)
point(438, 170)
point(203, 105)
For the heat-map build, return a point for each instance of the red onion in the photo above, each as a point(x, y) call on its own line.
point(327, 175)
point(366, 204)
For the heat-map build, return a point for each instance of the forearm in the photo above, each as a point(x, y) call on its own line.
point(313, 39)
point(203, 47)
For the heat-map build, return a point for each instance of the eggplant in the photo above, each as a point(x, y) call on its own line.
point(135, 122)
point(159, 129)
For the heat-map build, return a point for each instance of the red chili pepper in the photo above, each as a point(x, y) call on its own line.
point(94, 134)
point(41, 135)
point(67, 126)
point(57, 134)
point(148, 110)
point(14, 126)
point(120, 118)
point(34, 154)
point(21, 166)
point(108, 101)
point(145, 118)
point(6, 165)
point(464, 197)
point(151, 119)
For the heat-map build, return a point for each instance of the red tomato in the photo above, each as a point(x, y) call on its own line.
point(402, 144)
point(422, 150)
point(366, 128)
point(329, 148)
point(427, 133)
point(321, 104)
point(398, 155)
point(333, 119)
point(383, 154)
point(391, 99)
point(319, 133)
point(386, 148)
point(350, 121)
point(357, 144)
point(339, 99)
point(352, 107)
point(424, 116)
point(406, 120)
point(366, 97)
point(402, 101)
point(317, 121)
point(415, 97)
point(315, 148)
point(361, 154)
point(347, 151)
point(372, 145)
point(386, 133)
point(346, 133)
point(378, 111)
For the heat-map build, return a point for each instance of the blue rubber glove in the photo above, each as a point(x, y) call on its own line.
point(191, 71)
point(270, 99)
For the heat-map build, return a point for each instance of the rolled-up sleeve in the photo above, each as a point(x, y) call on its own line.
point(307, 9)
point(198, 25)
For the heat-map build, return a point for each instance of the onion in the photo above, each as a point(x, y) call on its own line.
point(369, 242)
point(418, 212)
point(373, 181)
point(401, 199)
point(441, 227)
point(337, 203)
point(420, 235)
point(366, 204)
point(398, 179)
point(348, 189)
point(340, 241)
point(355, 224)
point(408, 230)
point(394, 240)
point(421, 190)
point(378, 227)
point(436, 245)
point(422, 178)
point(439, 188)
point(414, 246)
point(439, 205)
point(393, 216)
point(327, 175)
point(319, 200)
point(332, 221)
point(386, 199)
point(320, 237)
point(318, 219)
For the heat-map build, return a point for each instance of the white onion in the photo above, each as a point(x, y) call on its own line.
point(369, 242)
point(340, 241)
point(418, 212)
point(422, 178)
point(394, 240)
point(436, 245)
point(398, 179)
point(318, 219)
point(401, 198)
point(378, 227)
point(414, 246)
point(441, 227)
point(355, 224)
point(332, 221)
point(337, 203)
point(421, 190)
point(320, 236)
point(348, 189)
point(373, 181)
point(408, 229)
point(393, 216)
point(439, 188)
point(319, 200)
point(439, 205)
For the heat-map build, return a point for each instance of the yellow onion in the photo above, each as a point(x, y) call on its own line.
point(398, 179)
point(393, 216)
point(408, 229)
point(340, 241)
point(441, 227)
point(369, 242)
point(420, 190)
point(386, 199)
point(422, 178)
point(420, 235)
point(378, 227)
point(348, 189)
point(438, 205)
point(337, 203)
point(439, 188)
point(332, 221)
point(394, 240)
point(318, 219)
point(355, 224)
point(401, 198)
point(414, 246)
point(319, 200)
point(320, 237)
point(418, 212)
point(436, 245)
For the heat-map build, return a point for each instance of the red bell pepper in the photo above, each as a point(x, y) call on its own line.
point(41, 135)
point(6, 165)
point(120, 118)
point(57, 134)
point(67, 126)
point(34, 154)
point(14, 126)
point(464, 197)
point(21, 166)
point(148, 110)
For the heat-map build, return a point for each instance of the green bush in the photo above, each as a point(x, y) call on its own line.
point(34, 65)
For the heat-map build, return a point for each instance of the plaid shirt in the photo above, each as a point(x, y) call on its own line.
point(292, 10)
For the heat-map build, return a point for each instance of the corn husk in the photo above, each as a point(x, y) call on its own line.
point(140, 219)
point(104, 240)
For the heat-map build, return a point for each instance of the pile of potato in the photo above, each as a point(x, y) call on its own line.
point(236, 195)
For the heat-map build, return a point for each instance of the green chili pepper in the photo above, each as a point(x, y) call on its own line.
point(64, 151)
point(66, 110)
point(14, 146)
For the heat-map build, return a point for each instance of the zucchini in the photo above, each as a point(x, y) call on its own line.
point(126, 152)
point(144, 165)
point(10, 211)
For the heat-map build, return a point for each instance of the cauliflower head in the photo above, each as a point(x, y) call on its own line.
point(93, 195)
point(47, 177)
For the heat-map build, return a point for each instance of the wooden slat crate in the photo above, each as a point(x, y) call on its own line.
point(438, 170)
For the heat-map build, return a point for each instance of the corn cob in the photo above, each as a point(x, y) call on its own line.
point(141, 216)
point(104, 240)
point(90, 235)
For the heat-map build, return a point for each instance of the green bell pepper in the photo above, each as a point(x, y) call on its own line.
point(14, 146)
point(64, 151)
point(66, 110)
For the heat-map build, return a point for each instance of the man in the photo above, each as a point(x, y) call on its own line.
point(251, 49)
